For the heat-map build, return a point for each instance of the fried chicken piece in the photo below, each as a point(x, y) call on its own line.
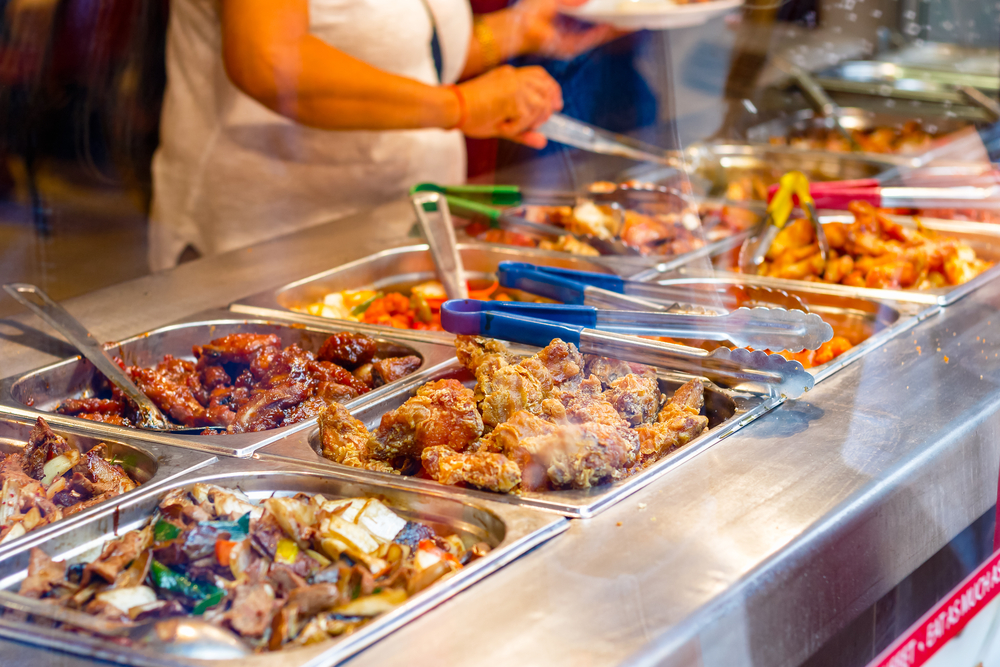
point(503, 388)
point(576, 456)
point(348, 350)
point(505, 437)
point(239, 348)
point(391, 369)
point(474, 351)
point(485, 470)
point(587, 403)
point(608, 370)
point(637, 399)
point(345, 440)
point(678, 423)
point(442, 413)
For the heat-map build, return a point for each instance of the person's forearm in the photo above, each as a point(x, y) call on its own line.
point(313, 83)
point(499, 37)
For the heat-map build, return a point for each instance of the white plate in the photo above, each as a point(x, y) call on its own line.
point(650, 14)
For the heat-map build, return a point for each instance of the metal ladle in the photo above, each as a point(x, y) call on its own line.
point(181, 636)
point(35, 299)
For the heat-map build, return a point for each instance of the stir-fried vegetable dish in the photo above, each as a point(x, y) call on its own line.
point(873, 251)
point(249, 382)
point(420, 309)
point(51, 479)
point(554, 420)
point(292, 571)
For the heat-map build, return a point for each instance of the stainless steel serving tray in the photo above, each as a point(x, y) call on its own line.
point(869, 321)
point(886, 79)
point(151, 464)
point(714, 166)
point(38, 392)
point(510, 530)
point(983, 237)
point(852, 118)
point(403, 266)
point(727, 411)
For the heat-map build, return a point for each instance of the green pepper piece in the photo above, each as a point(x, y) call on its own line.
point(211, 600)
point(175, 582)
point(364, 305)
point(164, 531)
point(244, 523)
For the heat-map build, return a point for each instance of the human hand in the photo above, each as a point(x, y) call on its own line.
point(546, 33)
point(511, 103)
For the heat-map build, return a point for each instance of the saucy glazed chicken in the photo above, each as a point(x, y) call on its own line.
point(554, 420)
point(289, 572)
point(51, 479)
point(873, 251)
point(911, 138)
point(249, 382)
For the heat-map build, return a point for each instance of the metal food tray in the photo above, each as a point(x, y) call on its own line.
point(38, 392)
point(983, 237)
point(148, 463)
point(874, 321)
point(404, 266)
point(714, 166)
point(510, 530)
point(885, 79)
point(852, 118)
point(728, 411)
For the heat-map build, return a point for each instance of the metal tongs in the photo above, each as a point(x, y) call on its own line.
point(793, 186)
point(838, 194)
point(565, 130)
point(761, 328)
point(609, 291)
point(150, 416)
point(465, 199)
point(756, 372)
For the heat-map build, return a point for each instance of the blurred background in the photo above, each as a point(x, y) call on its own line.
point(82, 81)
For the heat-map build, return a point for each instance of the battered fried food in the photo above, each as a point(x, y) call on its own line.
point(443, 413)
point(485, 470)
point(345, 440)
point(873, 251)
point(546, 427)
point(678, 423)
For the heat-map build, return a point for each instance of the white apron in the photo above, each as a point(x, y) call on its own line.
point(230, 173)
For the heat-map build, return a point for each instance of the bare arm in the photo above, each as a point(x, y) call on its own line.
point(269, 54)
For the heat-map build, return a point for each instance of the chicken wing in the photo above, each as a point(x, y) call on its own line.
point(485, 470)
point(637, 399)
point(442, 413)
point(678, 423)
point(345, 440)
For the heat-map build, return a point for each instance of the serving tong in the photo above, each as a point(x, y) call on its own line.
point(838, 194)
point(465, 199)
point(150, 416)
point(609, 291)
point(741, 369)
point(793, 186)
point(565, 130)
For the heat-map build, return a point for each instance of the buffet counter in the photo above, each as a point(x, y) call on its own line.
point(755, 552)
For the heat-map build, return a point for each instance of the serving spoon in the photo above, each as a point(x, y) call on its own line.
point(35, 299)
point(181, 636)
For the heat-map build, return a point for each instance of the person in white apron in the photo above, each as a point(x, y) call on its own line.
point(325, 132)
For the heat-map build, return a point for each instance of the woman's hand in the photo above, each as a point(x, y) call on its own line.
point(510, 103)
point(544, 32)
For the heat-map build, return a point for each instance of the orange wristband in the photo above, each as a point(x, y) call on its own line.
point(463, 109)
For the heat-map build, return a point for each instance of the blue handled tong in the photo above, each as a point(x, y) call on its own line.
point(533, 324)
point(609, 291)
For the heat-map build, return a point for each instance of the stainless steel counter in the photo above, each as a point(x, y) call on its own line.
point(753, 553)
